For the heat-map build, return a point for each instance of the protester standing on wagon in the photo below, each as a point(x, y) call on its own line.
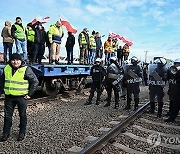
point(69, 47)
point(55, 37)
point(7, 40)
point(18, 32)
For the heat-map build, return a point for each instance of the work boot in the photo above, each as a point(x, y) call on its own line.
point(21, 136)
point(136, 103)
point(57, 62)
point(4, 137)
point(152, 105)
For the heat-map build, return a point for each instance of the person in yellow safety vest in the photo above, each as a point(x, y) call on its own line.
point(92, 48)
point(18, 32)
point(55, 37)
point(83, 40)
point(18, 83)
point(30, 42)
point(115, 46)
point(126, 51)
point(108, 50)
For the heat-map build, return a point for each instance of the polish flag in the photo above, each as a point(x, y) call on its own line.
point(69, 27)
point(40, 19)
point(114, 35)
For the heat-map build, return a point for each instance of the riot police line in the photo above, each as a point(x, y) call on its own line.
point(126, 80)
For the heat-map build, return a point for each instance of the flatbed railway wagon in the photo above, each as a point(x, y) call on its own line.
point(55, 78)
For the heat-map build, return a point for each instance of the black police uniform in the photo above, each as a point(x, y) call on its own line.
point(97, 72)
point(156, 87)
point(114, 77)
point(133, 84)
point(174, 96)
point(172, 89)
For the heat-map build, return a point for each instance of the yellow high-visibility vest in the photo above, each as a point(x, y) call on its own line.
point(20, 32)
point(109, 46)
point(92, 42)
point(15, 84)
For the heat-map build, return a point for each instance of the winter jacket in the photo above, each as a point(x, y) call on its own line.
point(40, 34)
point(70, 41)
point(6, 33)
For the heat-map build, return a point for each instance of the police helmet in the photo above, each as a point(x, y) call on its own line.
point(134, 60)
point(98, 60)
point(113, 59)
point(160, 61)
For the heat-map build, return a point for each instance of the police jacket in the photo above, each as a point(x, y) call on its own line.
point(113, 72)
point(97, 72)
point(29, 75)
point(156, 81)
point(133, 74)
point(175, 89)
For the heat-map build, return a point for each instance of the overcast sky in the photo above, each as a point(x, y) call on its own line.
point(152, 25)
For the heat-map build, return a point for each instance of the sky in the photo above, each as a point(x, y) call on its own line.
point(152, 25)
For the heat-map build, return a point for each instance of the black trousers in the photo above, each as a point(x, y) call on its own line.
point(9, 105)
point(69, 55)
point(109, 88)
point(30, 50)
point(175, 110)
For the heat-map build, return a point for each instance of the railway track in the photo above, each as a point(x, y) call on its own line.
point(138, 133)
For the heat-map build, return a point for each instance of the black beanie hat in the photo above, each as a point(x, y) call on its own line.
point(18, 18)
point(16, 56)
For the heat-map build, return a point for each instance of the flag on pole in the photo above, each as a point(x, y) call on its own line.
point(68, 25)
point(114, 35)
point(40, 19)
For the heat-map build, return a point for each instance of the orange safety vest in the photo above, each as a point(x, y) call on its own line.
point(108, 46)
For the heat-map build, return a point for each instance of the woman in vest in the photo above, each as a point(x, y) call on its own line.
point(18, 83)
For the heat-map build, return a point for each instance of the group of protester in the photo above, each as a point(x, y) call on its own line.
point(91, 47)
point(31, 40)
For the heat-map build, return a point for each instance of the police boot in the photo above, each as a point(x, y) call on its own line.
point(160, 106)
point(89, 101)
point(136, 103)
point(128, 106)
point(98, 98)
point(152, 107)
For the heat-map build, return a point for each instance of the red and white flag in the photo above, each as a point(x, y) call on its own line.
point(114, 35)
point(69, 27)
point(40, 19)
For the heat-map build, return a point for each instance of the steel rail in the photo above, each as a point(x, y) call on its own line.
point(105, 138)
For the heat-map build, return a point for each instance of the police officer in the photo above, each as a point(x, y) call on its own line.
point(97, 73)
point(174, 91)
point(157, 81)
point(114, 77)
point(18, 83)
point(133, 77)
